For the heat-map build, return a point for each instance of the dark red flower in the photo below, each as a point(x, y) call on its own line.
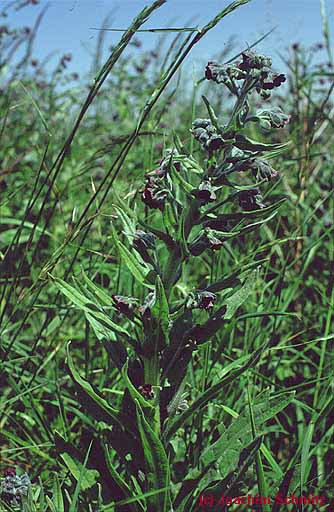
point(206, 300)
point(153, 196)
point(205, 192)
point(250, 199)
point(275, 80)
point(278, 79)
point(147, 391)
point(145, 309)
point(124, 305)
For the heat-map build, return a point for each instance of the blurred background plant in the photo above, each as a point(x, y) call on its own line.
point(60, 157)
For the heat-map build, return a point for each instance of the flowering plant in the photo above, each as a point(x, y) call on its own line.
point(194, 207)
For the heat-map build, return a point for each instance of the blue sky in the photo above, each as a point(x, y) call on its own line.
point(67, 25)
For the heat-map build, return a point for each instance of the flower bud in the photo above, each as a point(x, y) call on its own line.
point(250, 199)
point(202, 300)
point(124, 305)
point(205, 192)
point(147, 391)
point(207, 135)
point(252, 60)
point(153, 195)
point(143, 240)
point(272, 118)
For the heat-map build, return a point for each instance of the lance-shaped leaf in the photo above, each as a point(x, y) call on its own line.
point(160, 311)
point(128, 221)
point(90, 308)
point(57, 495)
point(72, 458)
point(132, 507)
point(245, 215)
point(186, 187)
point(101, 297)
point(138, 268)
point(156, 463)
point(135, 394)
point(247, 144)
point(227, 485)
point(92, 400)
point(210, 394)
point(226, 449)
point(239, 297)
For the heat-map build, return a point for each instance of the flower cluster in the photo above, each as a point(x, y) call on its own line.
point(207, 134)
point(222, 73)
point(147, 391)
point(251, 60)
point(254, 68)
point(228, 151)
point(155, 192)
point(128, 306)
point(260, 169)
point(143, 242)
point(272, 118)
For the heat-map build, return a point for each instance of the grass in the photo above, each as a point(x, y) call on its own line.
point(167, 407)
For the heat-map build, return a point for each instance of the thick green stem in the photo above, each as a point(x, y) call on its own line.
point(171, 270)
point(152, 376)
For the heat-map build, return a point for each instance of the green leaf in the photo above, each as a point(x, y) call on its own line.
point(91, 309)
point(101, 297)
point(305, 462)
point(244, 215)
point(135, 394)
point(211, 112)
point(139, 269)
point(93, 401)
point(87, 477)
point(186, 187)
point(247, 144)
point(57, 495)
point(129, 223)
point(160, 310)
point(239, 435)
point(80, 481)
point(156, 463)
point(174, 424)
point(239, 297)
point(168, 218)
